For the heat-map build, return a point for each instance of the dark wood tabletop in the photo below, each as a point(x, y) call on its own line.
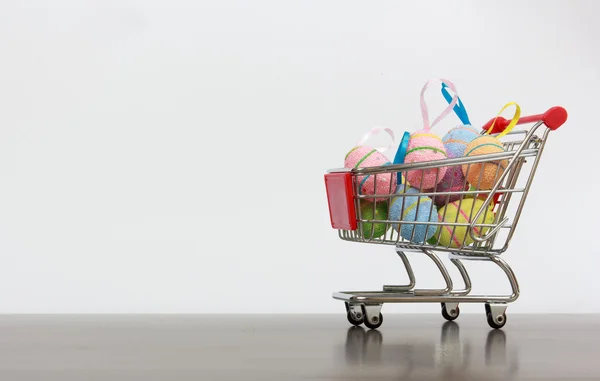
point(296, 347)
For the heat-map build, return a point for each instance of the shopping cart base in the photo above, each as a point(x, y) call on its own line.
point(368, 312)
point(381, 297)
point(364, 307)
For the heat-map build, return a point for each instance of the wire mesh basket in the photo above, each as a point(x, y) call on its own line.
point(485, 212)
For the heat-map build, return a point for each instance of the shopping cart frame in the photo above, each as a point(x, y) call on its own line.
point(344, 200)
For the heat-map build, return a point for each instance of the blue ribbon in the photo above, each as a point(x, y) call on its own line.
point(401, 153)
point(459, 108)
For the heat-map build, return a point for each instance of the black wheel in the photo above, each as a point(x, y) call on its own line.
point(493, 324)
point(488, 310)
point(353, 321)
point(450, 315)
point(375, 325)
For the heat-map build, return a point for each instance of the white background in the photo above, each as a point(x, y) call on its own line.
point(168, 156)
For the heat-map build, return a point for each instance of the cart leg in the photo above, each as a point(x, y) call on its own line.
point(496, 312)
point(450, 310)
point(511, 276)
point(445, 274)
point(409, 271)
point(465, 276)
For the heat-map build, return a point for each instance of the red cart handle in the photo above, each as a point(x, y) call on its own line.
point(553, 119)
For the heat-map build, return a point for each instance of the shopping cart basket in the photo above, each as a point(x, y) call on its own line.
point(505, 200)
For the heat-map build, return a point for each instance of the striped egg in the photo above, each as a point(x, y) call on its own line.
point(484, 175)
point(407, 207)
point(382, 183)
point(457, 215)
point(425, 146)
point(455, 141)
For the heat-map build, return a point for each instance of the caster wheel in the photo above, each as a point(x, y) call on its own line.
point(501, 321)
point(450, 314)
point(376, 324)
point(353, 321)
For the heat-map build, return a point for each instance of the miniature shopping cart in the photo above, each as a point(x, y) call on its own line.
point(489, 237)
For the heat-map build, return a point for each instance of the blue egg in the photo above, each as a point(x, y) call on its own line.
point(427, 212)
point(456, 140)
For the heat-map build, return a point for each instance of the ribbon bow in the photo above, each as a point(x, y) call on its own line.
point(513, 121)
point(374, 131)
point(459, 108)
point(424, 112)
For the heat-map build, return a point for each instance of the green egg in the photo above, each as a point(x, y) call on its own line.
point(381, 213)
point(433, 240)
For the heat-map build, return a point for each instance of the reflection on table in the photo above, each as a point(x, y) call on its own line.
point(448, 356)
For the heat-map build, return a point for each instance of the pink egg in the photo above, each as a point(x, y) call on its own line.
point(425, 146)
point(382, 183)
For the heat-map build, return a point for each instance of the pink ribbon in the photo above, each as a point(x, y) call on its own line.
point(426, 125)
point(374, 131)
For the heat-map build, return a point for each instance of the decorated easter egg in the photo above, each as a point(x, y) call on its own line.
point(380, 184)
point(425, 146)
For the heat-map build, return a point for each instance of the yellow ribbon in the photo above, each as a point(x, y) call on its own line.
point(513, 122)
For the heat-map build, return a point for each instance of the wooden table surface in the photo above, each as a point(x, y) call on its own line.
point(296, 347)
